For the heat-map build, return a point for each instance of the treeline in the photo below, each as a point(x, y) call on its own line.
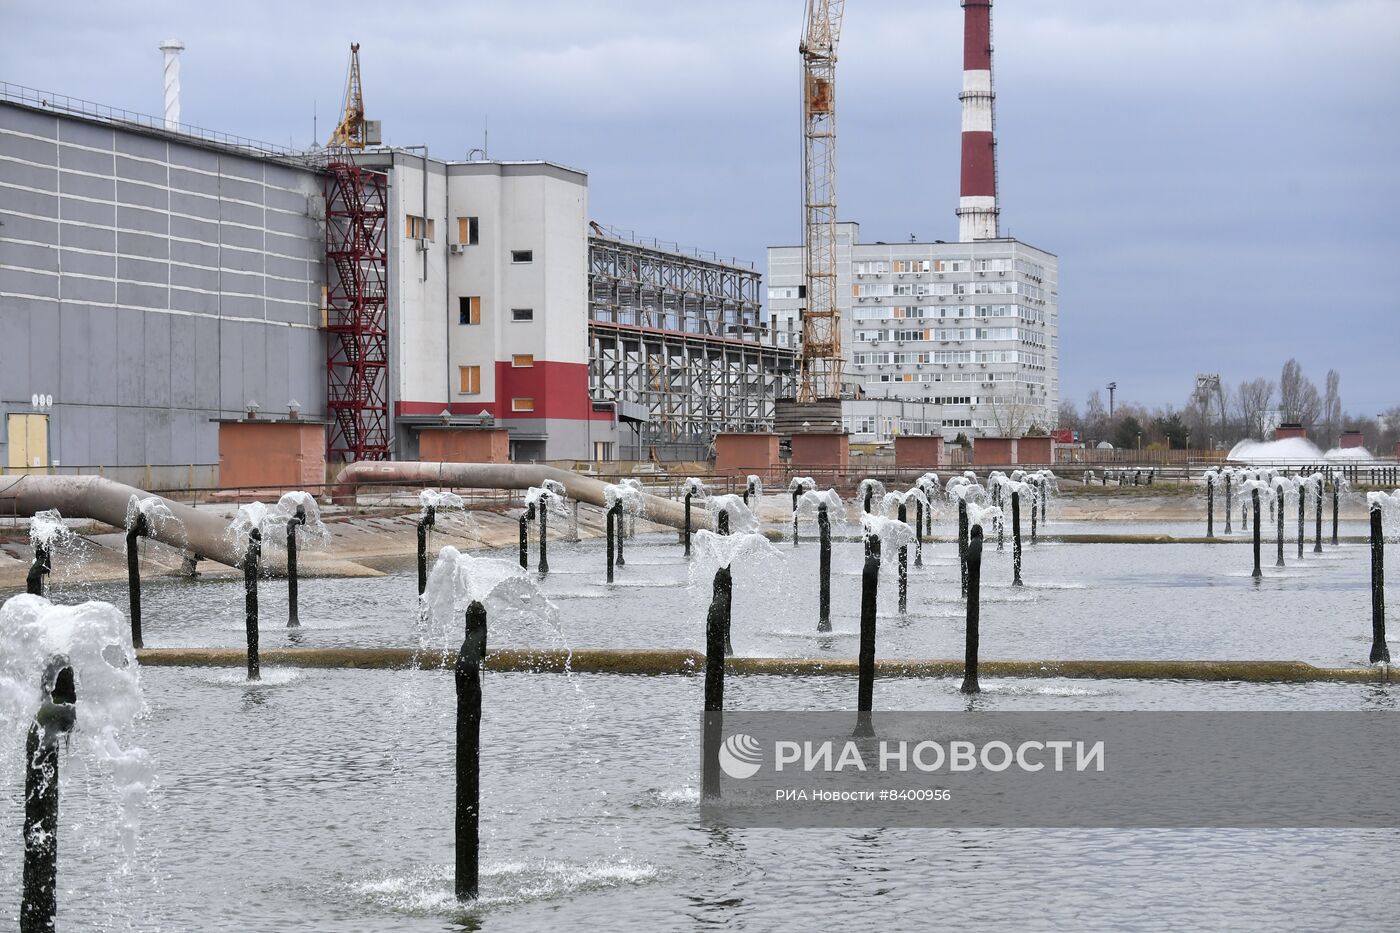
point(1219, 416)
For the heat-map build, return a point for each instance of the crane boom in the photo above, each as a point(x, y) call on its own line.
point(821, 363)
point(350, 132)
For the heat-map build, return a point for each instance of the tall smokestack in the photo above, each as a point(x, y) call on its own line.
point(977, 204)
point(172, 49)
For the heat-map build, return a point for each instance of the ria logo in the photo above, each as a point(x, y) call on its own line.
point(740, 756)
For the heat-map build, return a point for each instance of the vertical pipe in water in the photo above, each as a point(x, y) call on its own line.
point(427, 521)
point(1302, 519)
point(824, 570)
point(1229, 484)
point(544, 534)
point(1210, 506)
point(467, 675)
point(974, 609)
point(685, 532)
point(722, 523)
point(1279, 533)
point(1317, 529)
point(716, 634)
point(525, 518)
point(612, 534)
point(54, 720)
point(1015, 539)
point(1257, 572)
point(1336, 487)
point(251, 559)
point(962, 545)
point(795, 494)
point(869, 590)
point(1379, 650)
point(918, 533)
point(138, 529)
point(1033, 513)
point(903, 567)
point(621, 532)
point(298, 519)
point(38, 569)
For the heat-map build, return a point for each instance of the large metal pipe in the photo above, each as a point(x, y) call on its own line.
point(502, 476)
point(103, 500)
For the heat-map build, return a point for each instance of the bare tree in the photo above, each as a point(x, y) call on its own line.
point(1298, 398)
point(1251, 401)
point(1012, 414)
point(1095, 417)
point(1332, 407)
point(1069, 416)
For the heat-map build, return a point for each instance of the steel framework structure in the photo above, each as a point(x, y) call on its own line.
point(821, 322)
point(680, 336)
point(357, 355)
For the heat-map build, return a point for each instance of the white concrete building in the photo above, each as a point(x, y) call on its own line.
point(971, 329)
point(488, 302)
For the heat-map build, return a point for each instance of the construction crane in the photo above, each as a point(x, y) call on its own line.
point(350, 133)
point(820, 376)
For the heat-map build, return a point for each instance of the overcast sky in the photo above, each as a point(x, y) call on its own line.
point(1218, 179)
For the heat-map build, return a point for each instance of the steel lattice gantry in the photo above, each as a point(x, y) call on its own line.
point(357, 356)
point(680, 336)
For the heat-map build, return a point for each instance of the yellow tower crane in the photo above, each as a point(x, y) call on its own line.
point(350, 133)
point(821, 364)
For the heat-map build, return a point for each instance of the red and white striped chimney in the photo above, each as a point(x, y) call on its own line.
point(977, 204)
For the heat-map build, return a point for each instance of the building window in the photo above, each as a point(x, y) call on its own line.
point(522, 255)
point(522, 404)
point(522, 314)
point(469, 309)
point(468, 231)
point(470, 377)
point(416, 228)
point(522, 360)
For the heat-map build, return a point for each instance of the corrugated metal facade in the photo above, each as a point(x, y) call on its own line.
point(149, 284)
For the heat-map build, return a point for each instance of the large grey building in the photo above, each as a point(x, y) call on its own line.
point(149, 282)
point(968, 330)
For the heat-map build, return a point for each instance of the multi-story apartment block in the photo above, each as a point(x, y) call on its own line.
point(968, 328)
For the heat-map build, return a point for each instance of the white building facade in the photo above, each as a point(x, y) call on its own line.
point(488, 303)
point(969, 330)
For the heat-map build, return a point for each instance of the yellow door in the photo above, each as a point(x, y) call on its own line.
point(28, 443)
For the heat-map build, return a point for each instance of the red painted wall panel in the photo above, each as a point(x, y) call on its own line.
point(978, 172)
point(560, 390)
point(977, 35)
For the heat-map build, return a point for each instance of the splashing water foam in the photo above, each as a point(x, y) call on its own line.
point(96, 640)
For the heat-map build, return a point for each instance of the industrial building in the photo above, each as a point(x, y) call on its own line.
point(150, 281)
point(156, 279)
point(937, 337)
point(677, 341)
